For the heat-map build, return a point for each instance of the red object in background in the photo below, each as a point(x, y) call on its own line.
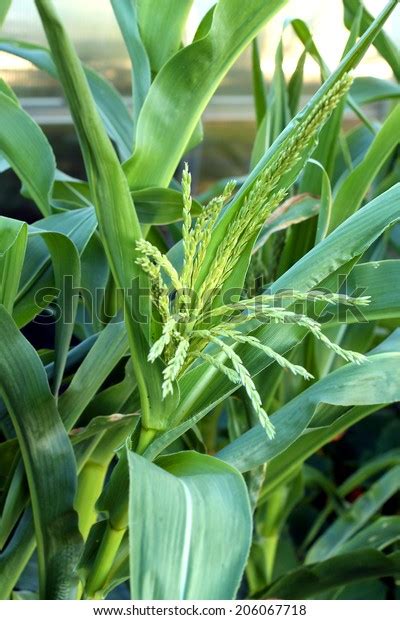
point(354, 494)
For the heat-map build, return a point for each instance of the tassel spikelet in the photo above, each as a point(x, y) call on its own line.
point(196, 239)
point(184, 337)
point(241, 338)
point(205, 225)
point(151, 252)
point(214, 361)
point(169, 331)
point(246, 381)
point(175, 365)
point(245, 228)
point(189, 245)
point(159, 291)
point(261, 303)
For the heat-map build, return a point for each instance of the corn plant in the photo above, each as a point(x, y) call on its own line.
point(162, 441)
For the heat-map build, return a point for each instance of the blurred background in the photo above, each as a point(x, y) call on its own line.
point(229, 120)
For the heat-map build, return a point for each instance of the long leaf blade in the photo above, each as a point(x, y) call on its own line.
point(28, 152)
point(184, 86)
point(110, 104)
point(176, 506)
point(48, 458)
point(308, 582)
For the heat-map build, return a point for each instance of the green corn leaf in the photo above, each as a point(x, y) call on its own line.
point(15, 502)
point(7, 90)
point(118, 223)
point(367, 384)
point(369, 470)
point(154, 205)
point(118, 397)
point(185, 85)
point(70, 190)
point(338, 420)
point(325, 209)
point(295, 85)
point(307, 582)
point(370, 89)
point(67, 276)
point(329, 141)
point(277, 105)
point(110, 104)
point(170, 19)
point(336, 499)
point(303, 32)
point(330, 543)
point(380, 534)
point(347, 242)
point(50, 465)
point(4, 7)
point(126, 14)
point(70, 407)
point(170, 504)
point(295, 210)
point(357, 142)
point(118, 425)
point(353, 189)
point(205, 23)
point(28, 152)
point(161, 205)
point(110, 346)
point(277, 112)
point(259, 90)
point(8, 453)
point(330, 422)
point(385, 46)
point(377, 280)
point(106, 180)
point(102, 424)
point(13, 238)
point(16, 555)
point(71, 230)
point(95, 275)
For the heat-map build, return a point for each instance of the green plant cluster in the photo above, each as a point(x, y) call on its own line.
point(207, 349)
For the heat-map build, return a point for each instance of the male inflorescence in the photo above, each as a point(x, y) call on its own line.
point(194, 325)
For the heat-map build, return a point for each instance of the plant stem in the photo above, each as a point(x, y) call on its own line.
point(91, 480)
point(114, 533)
point(137, 368)
point(147, 436)
point(90, 484)
point(104, 561)
point(270, 548)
